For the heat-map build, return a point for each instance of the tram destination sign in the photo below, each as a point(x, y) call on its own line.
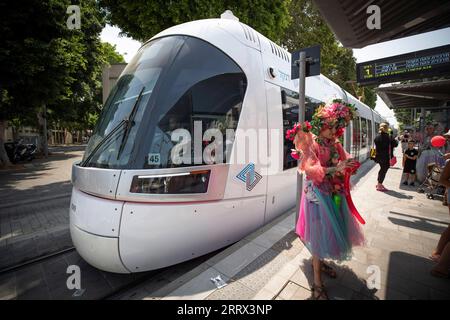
point(410, 66)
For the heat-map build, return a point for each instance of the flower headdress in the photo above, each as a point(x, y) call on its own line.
point(336, 113)
point(305, 127)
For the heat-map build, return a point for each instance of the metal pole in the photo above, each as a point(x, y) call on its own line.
point(422, 125)
point(301, 118)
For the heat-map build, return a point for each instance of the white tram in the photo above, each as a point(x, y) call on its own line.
point(135, 206)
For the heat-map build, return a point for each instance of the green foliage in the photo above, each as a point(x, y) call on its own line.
point(404, 118)
point(110, 55)
point(308, 28)
point(42, 62)
point(142, 19)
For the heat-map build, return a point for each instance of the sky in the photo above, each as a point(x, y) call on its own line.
point(128, 47)
point(124, 45)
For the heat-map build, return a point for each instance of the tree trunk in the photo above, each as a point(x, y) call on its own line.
point(4, 160)
point(43, 132)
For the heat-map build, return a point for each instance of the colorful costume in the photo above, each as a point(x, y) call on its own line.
point(328, 220)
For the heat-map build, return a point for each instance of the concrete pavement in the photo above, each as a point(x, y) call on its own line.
point(402, 229)
point(34, 202)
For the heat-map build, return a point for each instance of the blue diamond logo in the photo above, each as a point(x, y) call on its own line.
point(249, 176)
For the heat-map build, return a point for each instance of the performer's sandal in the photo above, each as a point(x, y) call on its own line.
point(329, 271)
point(321, 293)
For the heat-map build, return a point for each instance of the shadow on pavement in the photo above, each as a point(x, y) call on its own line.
point(409, 277)
point(420, 224)
point(346, 286)
point(398, 195)
point(12, 195)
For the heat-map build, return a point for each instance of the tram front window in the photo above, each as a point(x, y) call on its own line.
point(176, 82)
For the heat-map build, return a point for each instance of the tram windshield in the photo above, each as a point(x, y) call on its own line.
point(169, 95)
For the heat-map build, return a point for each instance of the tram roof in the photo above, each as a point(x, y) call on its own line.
point(428, 94)
point(401, 18)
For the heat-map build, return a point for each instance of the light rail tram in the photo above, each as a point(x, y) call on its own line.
point(142, 200)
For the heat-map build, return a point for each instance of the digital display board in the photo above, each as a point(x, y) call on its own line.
point(414, 65)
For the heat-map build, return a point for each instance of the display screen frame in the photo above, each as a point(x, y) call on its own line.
point(414, 65)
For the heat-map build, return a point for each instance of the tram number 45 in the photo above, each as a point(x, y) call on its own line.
point(154, 158)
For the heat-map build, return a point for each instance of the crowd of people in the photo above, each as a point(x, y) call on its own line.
point(418, 153)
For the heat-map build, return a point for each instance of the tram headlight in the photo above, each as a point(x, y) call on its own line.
point(172, 183)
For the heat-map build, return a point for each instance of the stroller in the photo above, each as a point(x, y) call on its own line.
point(431, 185)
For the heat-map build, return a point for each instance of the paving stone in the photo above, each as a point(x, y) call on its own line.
point(288, 291)
point(239, 259)
point(261, 270)
point(198, 288)
point(264, 294)
point(232, 291)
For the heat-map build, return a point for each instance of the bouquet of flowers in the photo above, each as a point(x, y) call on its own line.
point(291, 135)
point(305, 127)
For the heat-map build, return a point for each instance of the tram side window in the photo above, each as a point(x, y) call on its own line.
point(363, 133)
point(290, 117)
point(370, 133)
point(311, 105)
point(364, 137)
point(356, 137)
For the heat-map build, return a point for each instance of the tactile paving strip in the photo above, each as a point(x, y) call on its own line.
point(247, 282)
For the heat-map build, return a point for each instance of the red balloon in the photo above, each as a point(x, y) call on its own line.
point(438, 141)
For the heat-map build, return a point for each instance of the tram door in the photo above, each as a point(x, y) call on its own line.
point(356, 137)
point(282, 106)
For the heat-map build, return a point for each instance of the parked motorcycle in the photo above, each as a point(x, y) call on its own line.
point(18, 151)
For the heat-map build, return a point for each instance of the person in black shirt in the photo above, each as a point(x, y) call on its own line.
point(383, 144)
point(409, 163)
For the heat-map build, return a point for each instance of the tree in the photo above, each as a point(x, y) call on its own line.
point(270, 17)
point(78, 113)
point(110, 55)
point(43, 63)
point(308, 28)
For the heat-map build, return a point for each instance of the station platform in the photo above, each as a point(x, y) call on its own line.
point(402, 228)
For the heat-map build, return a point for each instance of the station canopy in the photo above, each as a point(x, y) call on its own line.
point(400, 18)
point(427, 94)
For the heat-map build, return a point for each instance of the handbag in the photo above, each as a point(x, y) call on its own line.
point(373, 153)
point(393, 160)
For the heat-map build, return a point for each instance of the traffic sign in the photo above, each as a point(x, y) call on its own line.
point(312, 62)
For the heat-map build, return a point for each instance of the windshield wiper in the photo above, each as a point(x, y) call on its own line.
point(129, 122)
point(125, 122)
point(102, 142)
